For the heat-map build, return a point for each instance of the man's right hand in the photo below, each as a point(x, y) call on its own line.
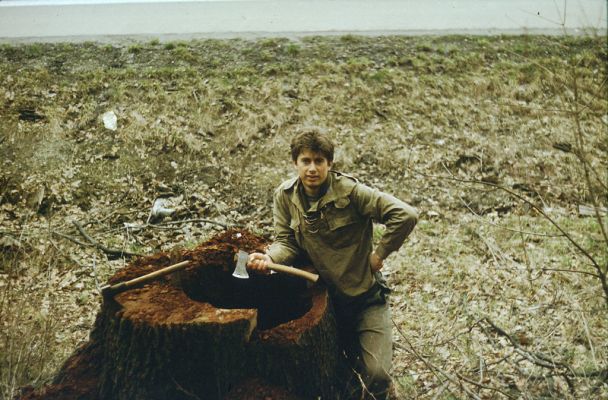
point(259, 262)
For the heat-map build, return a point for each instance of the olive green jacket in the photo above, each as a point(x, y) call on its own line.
point(340, 244)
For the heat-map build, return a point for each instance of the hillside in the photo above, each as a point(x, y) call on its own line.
point(501, 143)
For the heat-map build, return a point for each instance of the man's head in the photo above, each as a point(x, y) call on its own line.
point(312, 139)
point(312, 153)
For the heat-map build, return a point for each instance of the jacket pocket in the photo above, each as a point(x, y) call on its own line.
point(342, 224)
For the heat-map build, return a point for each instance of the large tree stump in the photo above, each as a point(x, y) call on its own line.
point(205, 334)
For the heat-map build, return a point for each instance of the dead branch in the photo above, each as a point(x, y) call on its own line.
point(481, 386)
point(482, 219)
point(168, 225)
point(600, 272)
point(455, 380)
point(71, 239)
point(527, 201)
point(184, 391)
point(542, 361)
point(574, 271)
point(207, 221)
point(580, 154)
point(109, 251)
point(94, 266)
point(442, 389)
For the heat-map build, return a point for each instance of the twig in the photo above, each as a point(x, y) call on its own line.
point(538, 359)
point(166, 225)
point(114, 252)
point(71, 239)
point(125, 194)
point(505, 358)
point(447, 375)
point(480, 385)
point(413, 350)
point(585, 325)
point(208, 221)
point(494, 250)
point(544, 109)
point(76, 261)
point(574, 271)
point(525, 251)
point(364, 389)
point(186, 392)
point(504, 227)
point(580, 154)
point(597, 267)
point(561, 84)
point(95, 273)
point(442, 389)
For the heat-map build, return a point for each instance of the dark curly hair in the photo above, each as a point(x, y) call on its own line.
point(313, 139)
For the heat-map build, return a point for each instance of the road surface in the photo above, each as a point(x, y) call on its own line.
point(76, 20)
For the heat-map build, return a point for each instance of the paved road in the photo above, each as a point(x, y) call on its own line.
point(57, 20)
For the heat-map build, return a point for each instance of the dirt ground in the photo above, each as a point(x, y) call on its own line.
point(500, 142)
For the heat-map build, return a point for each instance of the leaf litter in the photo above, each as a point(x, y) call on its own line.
point(209, 123)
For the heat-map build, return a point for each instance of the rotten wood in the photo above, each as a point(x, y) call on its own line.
point(201, 333)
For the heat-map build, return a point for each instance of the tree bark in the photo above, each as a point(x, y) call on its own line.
point(203, 334)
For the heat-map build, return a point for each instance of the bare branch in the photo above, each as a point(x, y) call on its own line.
point(455, 380)
point(574, 271)
point(598, 268)
point(72, 239)
point(472, 382)
point(538, 359)
point(504, 227)
point(580, 154)
point(109, 251)
point(169, 224)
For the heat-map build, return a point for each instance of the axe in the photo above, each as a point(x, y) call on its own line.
point(110, 290)
point(241, 269)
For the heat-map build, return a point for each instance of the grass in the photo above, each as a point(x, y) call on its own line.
point(478, 270)
point(211, 121)
point(32, 311)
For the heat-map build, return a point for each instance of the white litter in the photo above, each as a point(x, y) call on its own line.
point(110, 121)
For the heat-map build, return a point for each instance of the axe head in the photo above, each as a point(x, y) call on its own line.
point(241, 265)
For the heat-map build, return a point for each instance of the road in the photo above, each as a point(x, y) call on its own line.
point(23, 21)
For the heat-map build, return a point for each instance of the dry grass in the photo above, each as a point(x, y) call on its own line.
point(454, 276)
point(211, 121)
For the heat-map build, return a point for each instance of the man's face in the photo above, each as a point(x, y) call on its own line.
point(312, 169)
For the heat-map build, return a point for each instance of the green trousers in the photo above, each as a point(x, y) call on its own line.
point(365, 329)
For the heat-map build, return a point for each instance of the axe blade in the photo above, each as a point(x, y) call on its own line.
point(241, 265)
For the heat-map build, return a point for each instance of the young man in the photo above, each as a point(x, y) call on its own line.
point(327, 217)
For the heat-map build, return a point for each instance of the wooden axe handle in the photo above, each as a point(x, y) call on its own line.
point(294, 271)
point(122, 286)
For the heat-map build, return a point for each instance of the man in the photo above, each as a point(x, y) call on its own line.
point(327, 217)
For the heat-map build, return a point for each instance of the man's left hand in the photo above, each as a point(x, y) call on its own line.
point(376, 262)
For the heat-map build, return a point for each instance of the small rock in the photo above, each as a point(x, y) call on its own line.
point(110, 121)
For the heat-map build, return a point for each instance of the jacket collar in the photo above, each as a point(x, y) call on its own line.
point(336, 190)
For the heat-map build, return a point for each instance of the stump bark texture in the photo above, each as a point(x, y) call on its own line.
point(203, 334)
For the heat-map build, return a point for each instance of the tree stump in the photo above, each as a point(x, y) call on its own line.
point(205, 334)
